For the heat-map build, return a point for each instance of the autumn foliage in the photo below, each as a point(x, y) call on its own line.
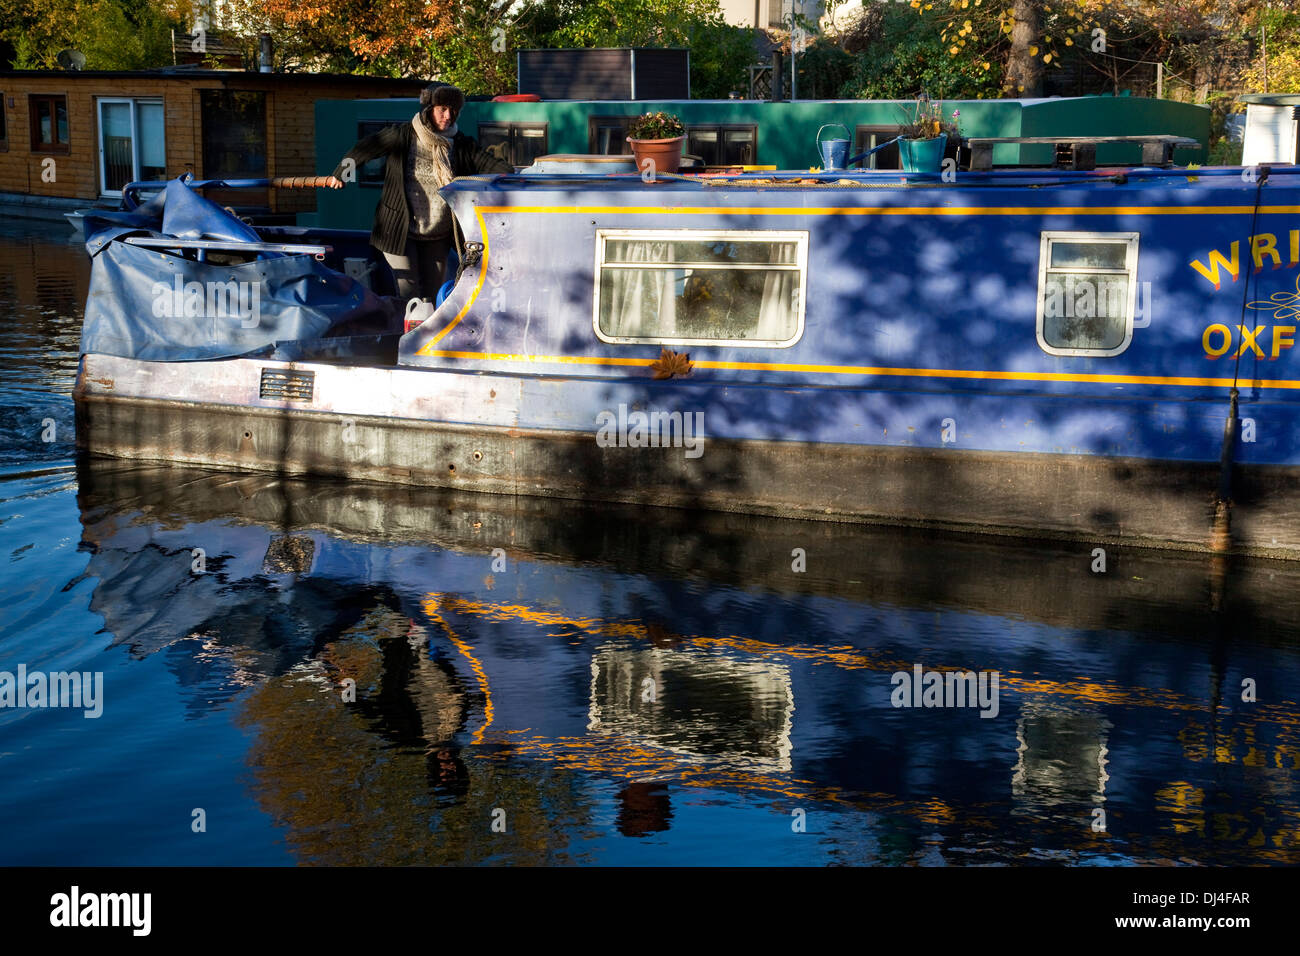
point(1204, 49)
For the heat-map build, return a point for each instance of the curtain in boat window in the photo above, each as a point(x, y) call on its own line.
point(1085, 311)
point(711, 288)
point(778, 309)
point(642, 302)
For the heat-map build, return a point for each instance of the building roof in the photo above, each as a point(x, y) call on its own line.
point(1271, 99)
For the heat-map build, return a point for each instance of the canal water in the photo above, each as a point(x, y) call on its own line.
point(295, 672)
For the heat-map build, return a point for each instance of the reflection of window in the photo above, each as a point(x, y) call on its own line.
point(869, 137)
point(234, 134)
point(732, 714)
point(686, 286)
point(131, 142)
point(1087, 292)
point(607, 135)
point(516, 143)
point(723, 145)
point(371, 173)
point(49, 123)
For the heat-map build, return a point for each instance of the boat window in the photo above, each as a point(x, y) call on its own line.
point(869, 137)
point(687, 286)
point(1087, 292)
point(371, 173)
point(515, 143)
point(734, 145)
point(607, 135)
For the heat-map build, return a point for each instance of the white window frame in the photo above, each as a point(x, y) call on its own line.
point(1130, 240)
point(133, 102)
point(800, 238)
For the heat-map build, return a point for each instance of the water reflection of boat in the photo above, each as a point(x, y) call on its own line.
point(1021, 352)
point(523, 685)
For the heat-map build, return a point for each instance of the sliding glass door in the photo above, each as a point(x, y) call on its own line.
point(132, 145)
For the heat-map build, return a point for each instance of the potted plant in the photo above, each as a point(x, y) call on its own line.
point(925, 138)
point(657, 137)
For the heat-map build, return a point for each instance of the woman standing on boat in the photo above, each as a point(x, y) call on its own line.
point(413, 226)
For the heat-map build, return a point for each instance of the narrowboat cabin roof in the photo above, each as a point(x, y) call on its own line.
point(773, 135)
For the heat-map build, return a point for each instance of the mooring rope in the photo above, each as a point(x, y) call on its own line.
point(1250, 255)
point(1226, 454)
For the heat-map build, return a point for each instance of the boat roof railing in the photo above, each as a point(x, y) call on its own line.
point(131, 192)
point(874, 177)
point(203, 245)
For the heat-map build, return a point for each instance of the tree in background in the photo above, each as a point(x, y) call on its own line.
point(1013, 41)
point(1276, 67)
point(901, 54)
point(1209, 49)
point(374, 37)
point(720, 54)
point(113, 34)
point(472, 43)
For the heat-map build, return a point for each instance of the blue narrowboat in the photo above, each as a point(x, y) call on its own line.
point(1106, 355)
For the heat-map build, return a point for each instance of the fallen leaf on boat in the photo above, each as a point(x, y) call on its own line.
point(672, 363)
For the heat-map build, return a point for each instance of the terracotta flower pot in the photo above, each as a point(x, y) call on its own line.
point(666, 153)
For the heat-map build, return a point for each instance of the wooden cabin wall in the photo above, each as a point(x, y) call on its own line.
point(290, 127)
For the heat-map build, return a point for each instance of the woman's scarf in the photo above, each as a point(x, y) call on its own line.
point(428, 169)
point(433, 155)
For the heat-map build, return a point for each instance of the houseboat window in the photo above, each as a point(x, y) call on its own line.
point(517, 143)
point(372, 172)
point(685, 286)
point(723, 145)
point(869, 137)
point(49, 123)
point(234, 133)
point(4, 126)
point(1087, 292)
point(607, 135)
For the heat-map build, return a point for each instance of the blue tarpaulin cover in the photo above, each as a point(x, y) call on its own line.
point(154, 304)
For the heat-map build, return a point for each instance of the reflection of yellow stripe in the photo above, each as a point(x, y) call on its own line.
point(973, 374)
point(431, 606)
point(848, 658)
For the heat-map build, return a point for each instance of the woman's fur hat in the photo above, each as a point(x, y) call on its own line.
point(441, 94)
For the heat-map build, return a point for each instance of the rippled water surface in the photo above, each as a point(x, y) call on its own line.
point(299, 672)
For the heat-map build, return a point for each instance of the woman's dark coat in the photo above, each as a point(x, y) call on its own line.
point(392, 215)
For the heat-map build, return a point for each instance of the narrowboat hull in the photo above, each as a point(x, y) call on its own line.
point(472, 432)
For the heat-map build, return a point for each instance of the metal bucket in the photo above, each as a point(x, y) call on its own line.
point(834, 152)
